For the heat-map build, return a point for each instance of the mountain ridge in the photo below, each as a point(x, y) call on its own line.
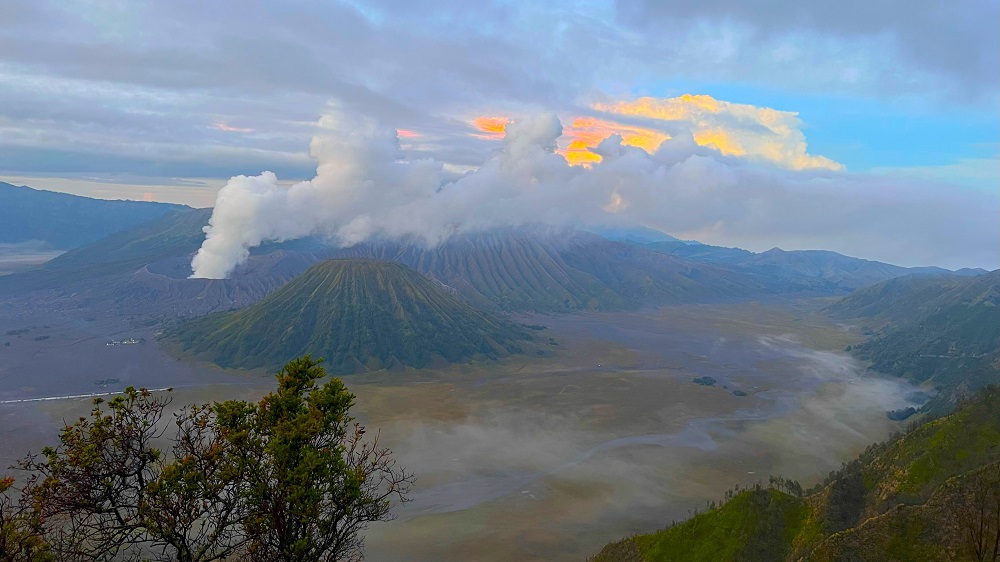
point(64, 221)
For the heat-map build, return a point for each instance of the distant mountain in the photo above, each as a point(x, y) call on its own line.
point(143, 272)
point(358, 315)
point(637, 234)
point(931, 494)
point(560, 269)
point(941, 330)
point(818, 271)
point(64, 221)
point(512, 269)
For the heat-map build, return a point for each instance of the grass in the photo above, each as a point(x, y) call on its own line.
point(754, 525)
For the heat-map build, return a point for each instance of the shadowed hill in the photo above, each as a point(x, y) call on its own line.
point(143, 272)
point(64, 221)
point(357, 314)
point(555, 269)
point(533, 268)
point(818, 271)
point(940, 330)
point(177, 233)
point(511, 269)
point(931, 494)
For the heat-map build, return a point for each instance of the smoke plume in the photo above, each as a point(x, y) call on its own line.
point(364, 188)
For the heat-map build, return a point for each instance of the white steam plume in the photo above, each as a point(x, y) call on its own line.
point(363, 188)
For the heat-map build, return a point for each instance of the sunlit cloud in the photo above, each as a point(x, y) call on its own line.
point(720, 140)
point(492, 127)
point(407, 134)
point(738, 130)
point(734, 129)
point(585, 133)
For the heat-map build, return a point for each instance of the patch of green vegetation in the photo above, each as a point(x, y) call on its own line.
point(937, 330)
point(357, 314)
point(754, 525)
point(904, 499)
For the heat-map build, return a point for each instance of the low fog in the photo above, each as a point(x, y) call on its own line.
point(826, 404)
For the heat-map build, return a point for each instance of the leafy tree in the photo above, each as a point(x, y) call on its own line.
point(89, 489)
point(290, 478)
point(979, 513)
point(194, 510)
point(314, 483)
point(20, 532)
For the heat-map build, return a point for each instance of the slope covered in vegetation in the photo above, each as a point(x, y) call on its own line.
point(930, 494)
point(544, 269)
point(356, 314)
point(942, 331)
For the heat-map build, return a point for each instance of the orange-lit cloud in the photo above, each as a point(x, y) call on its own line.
point(407, 134)
point(669, 109)
point(734, 129)
point(492, 126)
point(720, 140)
point(230, 129)
point(585, 133)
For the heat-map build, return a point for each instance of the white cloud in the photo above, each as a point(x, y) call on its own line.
point(364, 189)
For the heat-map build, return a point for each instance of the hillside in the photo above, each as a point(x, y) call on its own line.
point(931, 494)
point(513, 269)
point(818, 271)
point(526, 269)
point(64, 221)
point(942, 330)
point(358, 315)
point(562, 270)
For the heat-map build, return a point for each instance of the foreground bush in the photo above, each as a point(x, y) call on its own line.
point(289, 478)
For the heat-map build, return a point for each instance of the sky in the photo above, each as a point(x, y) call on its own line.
point(891, 108)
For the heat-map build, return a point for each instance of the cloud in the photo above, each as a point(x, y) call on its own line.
point(490, 127)
point(585, 133)
point(733, 129)
point(364, 188)
point(90, 86)
point(950, 46)
point(231, 129)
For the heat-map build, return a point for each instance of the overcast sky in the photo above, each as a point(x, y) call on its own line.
point(168, 100)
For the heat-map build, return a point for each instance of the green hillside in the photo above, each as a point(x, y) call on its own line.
point(931, 494)
point(941, 330)
point(358, 315)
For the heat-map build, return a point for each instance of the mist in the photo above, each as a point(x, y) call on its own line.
point(366, 188)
